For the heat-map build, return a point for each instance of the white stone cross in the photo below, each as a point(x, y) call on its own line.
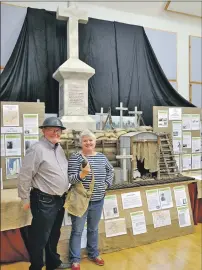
point(73, 16)
point(121, 109)
point(137, 119)
point(73, 75)
point(101, 114)
point(124, 157)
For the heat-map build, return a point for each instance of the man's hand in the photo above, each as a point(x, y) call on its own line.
point(26, 206)
point(85, 171)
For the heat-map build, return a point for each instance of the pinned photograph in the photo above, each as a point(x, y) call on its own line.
point(13, 167)
point(30, 123)
point(10, 115)
point(13, 144)
point(29, 141)
point(163, 118)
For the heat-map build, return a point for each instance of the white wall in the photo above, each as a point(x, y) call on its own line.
point(181, 24)
point(52, 6)
point(167, 21)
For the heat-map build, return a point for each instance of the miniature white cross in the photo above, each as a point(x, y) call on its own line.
point(73, 16)
point(124, 157)
point(136, 113)
point(121, 109)
point(101, 114)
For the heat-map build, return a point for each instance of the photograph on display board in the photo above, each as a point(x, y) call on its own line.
point(30, 123)
point(13, 165)
point(13, 144)
point(128, 122)
point(29, 141)
point(163, 118)
point(10, 115)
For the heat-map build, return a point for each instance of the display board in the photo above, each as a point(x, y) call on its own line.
point(195, 45)
point(19, 130)
point(174, 85)
point(184, 126)
point(10, 29)
point(196, 94)
point(167, 58)
point(137, 216)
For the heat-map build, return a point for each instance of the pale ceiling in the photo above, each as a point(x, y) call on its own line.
point(148, 7)
point(192, 8)
point(151, 7)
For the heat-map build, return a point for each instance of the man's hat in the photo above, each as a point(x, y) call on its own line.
point(52, 122)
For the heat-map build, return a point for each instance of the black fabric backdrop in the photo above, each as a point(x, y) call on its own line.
point(126, 67)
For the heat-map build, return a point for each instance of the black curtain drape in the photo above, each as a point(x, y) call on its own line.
point(39, 51)
point(126, 67)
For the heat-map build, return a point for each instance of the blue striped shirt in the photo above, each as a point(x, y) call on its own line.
point(103, 173)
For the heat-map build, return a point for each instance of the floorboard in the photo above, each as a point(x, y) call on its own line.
point(181, 253)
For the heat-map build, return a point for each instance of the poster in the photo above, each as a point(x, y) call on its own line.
point(115, 227)
point(186, 121)
point(110, 207)
point(162, 118)
point(175, 113)
point(196, 144)
point(29, 141)
point(13, 144)
point(131, 200)
point(153, 200)
point(177, 145)
point(186, 162)
point(180, 195)
point(13, 167)
point(11, 130)
point(1, 178)
point(2, 145)
point(177, 129)
point(138, 222)
point(165, 198)
point(183, 216)
point(195, 122)
point(196, 161)
point(161, 218)
point(11, 115)
point(30, 123)
point(186, 139)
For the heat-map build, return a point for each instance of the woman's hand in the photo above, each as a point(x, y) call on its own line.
point(85, 171)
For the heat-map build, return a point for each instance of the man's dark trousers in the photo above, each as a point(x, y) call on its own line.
point(44, 233)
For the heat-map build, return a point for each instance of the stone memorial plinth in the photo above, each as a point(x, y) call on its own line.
point(73, 76)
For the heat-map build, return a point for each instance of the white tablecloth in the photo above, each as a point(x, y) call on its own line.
point(13, 216)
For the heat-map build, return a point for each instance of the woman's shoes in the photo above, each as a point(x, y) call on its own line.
point(76, 266)
point(98, 260)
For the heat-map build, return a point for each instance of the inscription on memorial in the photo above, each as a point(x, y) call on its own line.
point(61, 99)
point(76, 95)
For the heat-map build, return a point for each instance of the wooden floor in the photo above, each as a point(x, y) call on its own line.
point(181, 253)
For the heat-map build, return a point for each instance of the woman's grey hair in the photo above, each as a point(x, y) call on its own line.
point(87, 133)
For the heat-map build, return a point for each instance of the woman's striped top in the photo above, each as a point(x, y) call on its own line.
point(103, 173)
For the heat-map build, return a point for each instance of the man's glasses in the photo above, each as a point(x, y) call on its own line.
point(53, 130)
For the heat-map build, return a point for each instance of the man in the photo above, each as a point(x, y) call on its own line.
point(42, 186)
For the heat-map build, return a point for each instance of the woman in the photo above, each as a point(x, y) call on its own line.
point(103, 175)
